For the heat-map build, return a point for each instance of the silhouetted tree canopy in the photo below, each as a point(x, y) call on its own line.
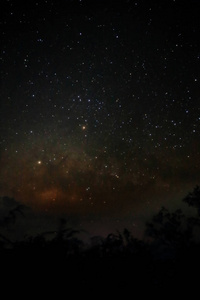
point(171, 250)
point(11, 215)
point(193, 199)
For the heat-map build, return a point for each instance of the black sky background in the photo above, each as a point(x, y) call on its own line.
point(99, 109)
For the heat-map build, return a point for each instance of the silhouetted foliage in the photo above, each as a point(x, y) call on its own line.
point(4, 242)
point(120, 258)
point(169, 228)
point(193, 199)
point(10, 218)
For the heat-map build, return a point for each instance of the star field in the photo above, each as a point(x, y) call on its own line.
point(100, 112)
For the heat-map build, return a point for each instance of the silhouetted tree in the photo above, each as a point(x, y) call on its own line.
point(166, 226)
point(113, 244)
point(174, 233)
point(10, 218)
point(193, 199)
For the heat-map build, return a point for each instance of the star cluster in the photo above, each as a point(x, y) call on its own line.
point(100, 106)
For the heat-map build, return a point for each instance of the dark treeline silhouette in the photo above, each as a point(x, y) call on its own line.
point(168, 256)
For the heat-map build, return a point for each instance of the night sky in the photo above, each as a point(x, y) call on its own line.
point(100, 108)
